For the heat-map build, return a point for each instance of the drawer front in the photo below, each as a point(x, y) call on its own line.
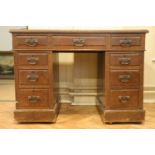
point(32, 59)
point(74, 42)
point(30, 42)
point(124, 79)
point(33, 77)
point(126, 59)
point(126, 41)
point(33, 98)
point(124, 99)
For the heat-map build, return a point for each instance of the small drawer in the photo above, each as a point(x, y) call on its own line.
point(30, 42)
point(33, 98)
point(124, 79)
point(33, 77)
point(32, 59)
point(124, 99)
point(126, 41)
point(126, 59)
point(76, 42)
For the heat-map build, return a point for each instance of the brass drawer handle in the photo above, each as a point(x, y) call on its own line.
point(79, 42)
point(32, 77)
point(31, 42)
point(126, 42)
point(124, 60)
point(124, 77)
point(32, 60)
point(33, 99)
point(124, 99)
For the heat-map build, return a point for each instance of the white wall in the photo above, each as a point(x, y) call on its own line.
point(6, 39)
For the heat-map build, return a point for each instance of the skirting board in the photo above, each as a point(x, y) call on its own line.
point(149, 94)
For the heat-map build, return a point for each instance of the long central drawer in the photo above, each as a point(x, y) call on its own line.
point(79, 42)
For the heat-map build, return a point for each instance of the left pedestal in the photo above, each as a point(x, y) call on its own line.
point(34, 86)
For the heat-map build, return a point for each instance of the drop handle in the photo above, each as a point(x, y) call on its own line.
point(125, 42)
point(124, 99)
point(124, 78)
point(32, 60)
point(78, 42)
point(124, 60)
point(31, 42)
point(33, 99)
point(32, 77)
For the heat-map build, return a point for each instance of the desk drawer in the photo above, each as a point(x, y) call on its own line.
point(30, 42)
point(33, 77)
point(124, 79)
point(33, 98)
point(126, 41)
point(32, 59)
point(75, 42)
point(126, 59)
point(124, 99)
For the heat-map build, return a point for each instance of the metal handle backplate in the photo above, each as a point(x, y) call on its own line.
point(126, 42)
point(124, 99)
point(79, 42)
point(32, 60)
point(32, 77)
point(124, 77)
point(31, 42)
point(33, 99)
point(124, 60)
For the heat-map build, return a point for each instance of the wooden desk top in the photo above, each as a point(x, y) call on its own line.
point(77, 31)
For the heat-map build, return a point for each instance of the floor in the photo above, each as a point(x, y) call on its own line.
point(74, 117)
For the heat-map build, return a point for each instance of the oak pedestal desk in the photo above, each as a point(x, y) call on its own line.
point(122, 66)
